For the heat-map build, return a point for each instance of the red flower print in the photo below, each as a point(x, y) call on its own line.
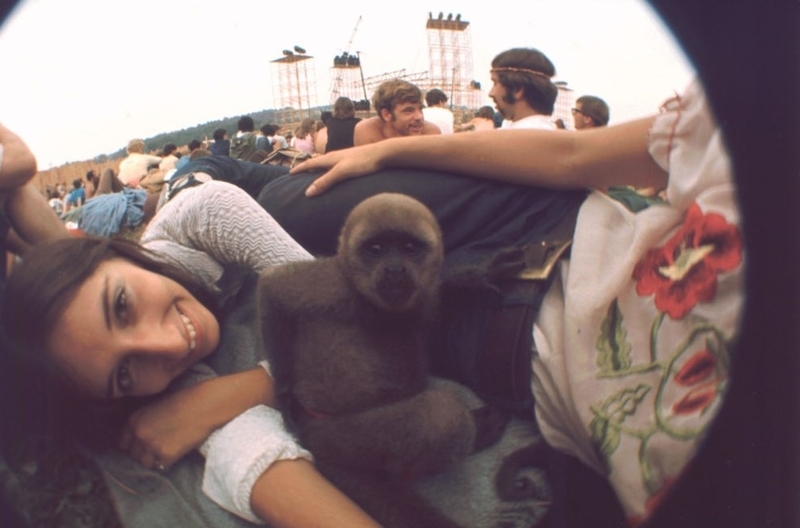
point(652, 503)
point(699, 367)
point(696, 400)
point(684, 271)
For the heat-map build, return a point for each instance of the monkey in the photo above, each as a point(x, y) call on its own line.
point(346, 340)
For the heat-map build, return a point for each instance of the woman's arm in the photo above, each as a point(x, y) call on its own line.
point(18, 162)
point(596, 158)
point(30, 216)
point(200, 218)
point(292, 493)
point(176, 424)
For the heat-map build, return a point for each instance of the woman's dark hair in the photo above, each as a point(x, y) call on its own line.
point(343, 107)
point(37, 293)
point(486, 112)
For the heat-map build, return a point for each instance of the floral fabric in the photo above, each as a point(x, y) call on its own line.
point(634, 338)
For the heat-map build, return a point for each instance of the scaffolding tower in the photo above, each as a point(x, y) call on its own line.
point(348, 78)
point(420, 79)
point(450, 49)
point(295, 90)
point(564, 103)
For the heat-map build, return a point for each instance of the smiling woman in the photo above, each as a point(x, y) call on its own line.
point(130, 332)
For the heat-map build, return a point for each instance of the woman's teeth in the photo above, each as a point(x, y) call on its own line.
point(192, 332)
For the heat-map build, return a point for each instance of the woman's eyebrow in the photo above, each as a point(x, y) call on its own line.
point(104, 302)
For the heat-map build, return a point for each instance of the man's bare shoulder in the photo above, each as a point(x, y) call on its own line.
point(430, 129)
point(368, 130)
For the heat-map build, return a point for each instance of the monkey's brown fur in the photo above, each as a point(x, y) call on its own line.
point(346, 339)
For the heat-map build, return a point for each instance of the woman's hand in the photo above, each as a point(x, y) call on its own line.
point(160, 434)
point(342, 165)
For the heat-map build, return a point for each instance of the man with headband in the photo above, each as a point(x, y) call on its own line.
point(522, 88)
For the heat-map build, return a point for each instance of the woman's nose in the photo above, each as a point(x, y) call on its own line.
point(166, 344)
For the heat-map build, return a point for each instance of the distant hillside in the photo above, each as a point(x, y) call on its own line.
point(205, 130)
point(68, 172)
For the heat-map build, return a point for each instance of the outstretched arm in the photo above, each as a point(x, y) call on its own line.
point(18, 162)
point(30, 217)
point(596, 158)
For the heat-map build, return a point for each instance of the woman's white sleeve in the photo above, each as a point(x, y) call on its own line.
point(226, 223)
point(239, 452)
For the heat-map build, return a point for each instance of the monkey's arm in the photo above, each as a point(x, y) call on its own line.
point(418, 435)
point(505, 262)
point(277, 334)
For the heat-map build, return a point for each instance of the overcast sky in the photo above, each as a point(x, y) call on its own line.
point(81, 78)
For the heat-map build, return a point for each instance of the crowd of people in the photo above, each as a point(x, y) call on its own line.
point(620, 364)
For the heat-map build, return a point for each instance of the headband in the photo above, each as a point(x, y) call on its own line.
point(520, 70)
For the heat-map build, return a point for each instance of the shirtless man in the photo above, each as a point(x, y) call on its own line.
point(399, 107)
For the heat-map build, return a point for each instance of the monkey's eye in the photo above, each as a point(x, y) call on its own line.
point(375, 250)
point(412, 248)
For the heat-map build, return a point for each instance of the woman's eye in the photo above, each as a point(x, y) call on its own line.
point(375, 249)
point(124, 378)
point(121, 311)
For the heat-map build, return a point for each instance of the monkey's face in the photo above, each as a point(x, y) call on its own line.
point(395, 270)
point(390, 250)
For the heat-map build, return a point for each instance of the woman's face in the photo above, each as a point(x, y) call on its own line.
point(130, 332)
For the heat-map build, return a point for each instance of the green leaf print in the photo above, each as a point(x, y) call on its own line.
point(608, 418)
point(614, 351)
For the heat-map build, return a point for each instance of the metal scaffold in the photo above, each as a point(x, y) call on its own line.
point(564, 103)
point(295, 90)
point(347, 75)
point(450, 49)
point(420, 79)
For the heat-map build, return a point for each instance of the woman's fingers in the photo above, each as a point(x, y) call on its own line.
point(325, 182)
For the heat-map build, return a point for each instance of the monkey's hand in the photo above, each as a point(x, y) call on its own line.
point(505, 262)
point(490, 422)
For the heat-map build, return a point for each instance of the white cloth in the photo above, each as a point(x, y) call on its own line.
point(441, 117)
point(633, 336)
point(168, 163)
point(537, 121)
point(134, 167)
point(238, 453)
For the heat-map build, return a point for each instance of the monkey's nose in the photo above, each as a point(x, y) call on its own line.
point(395, 272)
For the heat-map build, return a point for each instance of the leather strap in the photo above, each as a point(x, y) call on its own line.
point(504, 365)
